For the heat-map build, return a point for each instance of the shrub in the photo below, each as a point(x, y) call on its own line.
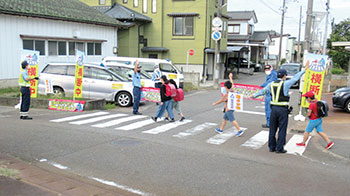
point(337, 71)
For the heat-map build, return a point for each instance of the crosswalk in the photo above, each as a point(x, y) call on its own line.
point(145, 125)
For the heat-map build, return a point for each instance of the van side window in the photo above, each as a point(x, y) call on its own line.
point(166, 67)
point(147, 66)
point(100, 74)
point(53, 69)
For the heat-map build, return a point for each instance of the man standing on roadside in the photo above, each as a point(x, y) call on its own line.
point(271, 76)
point(136, 83)
point(279, 91)
point(24, 83)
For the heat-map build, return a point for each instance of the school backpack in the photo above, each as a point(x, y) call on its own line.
point(322, 108)
point(179, 95)
point(170, 90)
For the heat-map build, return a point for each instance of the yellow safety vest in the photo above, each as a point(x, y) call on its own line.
point(23, 82)
point(277, 96)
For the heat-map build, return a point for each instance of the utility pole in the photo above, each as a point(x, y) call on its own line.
point(307, 42)
point(217, 51)
point(281, 36)
point(299, 45)
point(325, 30)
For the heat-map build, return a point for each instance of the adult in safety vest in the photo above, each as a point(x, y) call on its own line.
point(279, 91)
point(271, 76)
point(24, 83)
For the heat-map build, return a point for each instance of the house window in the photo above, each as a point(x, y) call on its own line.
point(136, 3)
point(80, 46)
point(145, 6)
point(154, 6)
point(93, 48)
point(153, 56)
point(234, 29)
point(62, 48)
point(72, 46)
point(183, 26)
point(53, 48)
point(102, 2)
point(38, 45)
point(250, 29)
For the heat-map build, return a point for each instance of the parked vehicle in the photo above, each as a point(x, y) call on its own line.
point(166, 67)
point(243, 63)
point(98, 82)
point(341, 99)
point(292, 69)
point(127, 70)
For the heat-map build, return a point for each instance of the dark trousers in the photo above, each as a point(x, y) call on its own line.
point(157, 85)
point(137, 96)
point(25, 103)
point(278, 119)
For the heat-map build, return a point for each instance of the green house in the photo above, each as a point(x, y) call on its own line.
point(169, 29)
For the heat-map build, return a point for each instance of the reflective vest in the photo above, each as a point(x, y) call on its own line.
point(277, 96)
point(23, 82)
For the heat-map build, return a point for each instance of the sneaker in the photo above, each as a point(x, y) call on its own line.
point(300, 144)
point(166, 118)
point(182, 119)
point(154, 119)
point(265, 126)
point(172, 120)
point(218, 131)
point(330, 145)
point(239, 133)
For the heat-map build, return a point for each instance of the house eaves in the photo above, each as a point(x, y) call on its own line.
point(123, 13)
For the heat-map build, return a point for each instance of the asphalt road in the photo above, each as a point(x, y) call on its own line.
point(187, 159)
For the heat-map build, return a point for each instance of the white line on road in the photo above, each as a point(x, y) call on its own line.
point(195, 130)
point(166, 127)
point(260, 107)
point(291, 146)
point(117, 122)
point(223, 137)
point(111, 183)
point(79, 117)
point(257, 141)
point(59, 166)
point(136, 125)
point(81, 122)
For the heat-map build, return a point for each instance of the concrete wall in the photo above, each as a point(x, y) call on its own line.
point(192, 77)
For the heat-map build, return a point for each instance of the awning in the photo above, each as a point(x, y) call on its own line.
point(212, 50)
point(154, 49)
point(183, 14)
point(237, 48)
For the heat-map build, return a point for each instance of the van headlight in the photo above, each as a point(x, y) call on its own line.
point(339, 94)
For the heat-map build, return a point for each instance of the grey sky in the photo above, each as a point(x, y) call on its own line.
point(269, 14)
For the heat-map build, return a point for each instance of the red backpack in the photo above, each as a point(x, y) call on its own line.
point(179, 95)
point(170, 90)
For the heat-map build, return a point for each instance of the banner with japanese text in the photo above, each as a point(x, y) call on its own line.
point(66, 105)
point(32, 57)
point(79, 72)
point(314, 76)
point(235, 101)
point(246, 90)
point(150, 94)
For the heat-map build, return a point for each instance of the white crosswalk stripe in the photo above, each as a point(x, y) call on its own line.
point(291, 146)
point(117, 122)
point(166, 127)
point(137, 125)
point(91, 120)
point(257, 141)
point(195, 130)
point(223, 137)
point(79, 117)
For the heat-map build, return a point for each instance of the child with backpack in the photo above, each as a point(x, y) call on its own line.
point(176, 99)
point(228, 116)
point(315, 113)
point(166, 100)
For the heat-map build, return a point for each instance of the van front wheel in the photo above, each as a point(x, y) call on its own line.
point(124, 99)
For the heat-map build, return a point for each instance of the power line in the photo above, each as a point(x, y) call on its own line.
point(268, 6)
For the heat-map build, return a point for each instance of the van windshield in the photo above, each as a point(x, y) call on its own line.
point(166, 67)
point(147, 66)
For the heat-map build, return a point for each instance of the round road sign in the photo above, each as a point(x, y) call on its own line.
point(191, 52)
point(216, 35)
point(216, 22)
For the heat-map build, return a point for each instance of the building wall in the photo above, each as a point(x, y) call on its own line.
point(128, 42)
point(12, 44)
point(273, 49)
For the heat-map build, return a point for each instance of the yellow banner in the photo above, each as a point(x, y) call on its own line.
point(32, 57)
point(314, 76)
point(79, 72)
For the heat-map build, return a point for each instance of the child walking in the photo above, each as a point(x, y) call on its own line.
point(315, 122)
point(176, 105)
point(166, 102)
point(228, 116)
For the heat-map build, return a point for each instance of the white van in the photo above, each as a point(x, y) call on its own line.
point(166, 67)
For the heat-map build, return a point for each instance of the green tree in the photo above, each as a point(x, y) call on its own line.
point(340, 33)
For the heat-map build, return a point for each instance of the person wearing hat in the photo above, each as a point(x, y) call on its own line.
point(271, 75)
point(156, 76)
point(279, 91)
point(136, 83)
point(24, 83)
point(315, 122)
